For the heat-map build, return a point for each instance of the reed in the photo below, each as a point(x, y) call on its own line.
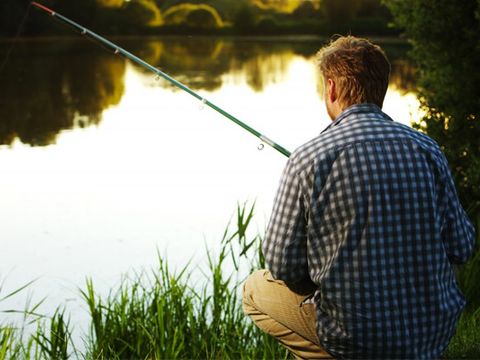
point(167, 315)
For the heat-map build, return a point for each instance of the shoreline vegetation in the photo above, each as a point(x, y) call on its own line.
point(157, 314)
point(166, 315)
point(204, 17)
point(390, 40)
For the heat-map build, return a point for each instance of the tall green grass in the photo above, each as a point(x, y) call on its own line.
point(469, 275)
point(35, 336)
point(160, 314)
point(184, 314)
point(466, 342)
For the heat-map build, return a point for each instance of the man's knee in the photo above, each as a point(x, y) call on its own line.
point(251, 287)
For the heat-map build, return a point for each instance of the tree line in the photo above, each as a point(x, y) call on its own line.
point(244, 17)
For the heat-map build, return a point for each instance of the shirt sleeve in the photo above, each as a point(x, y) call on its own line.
point(458, 233)
point(285, 243)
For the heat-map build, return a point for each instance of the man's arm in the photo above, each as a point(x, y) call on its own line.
point(285, 243)
point(458, 233)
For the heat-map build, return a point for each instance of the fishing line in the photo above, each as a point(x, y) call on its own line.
point(120, 51)
point(15, 39)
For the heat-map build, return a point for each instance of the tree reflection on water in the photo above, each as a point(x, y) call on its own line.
point(51, 86)
point(54, 85)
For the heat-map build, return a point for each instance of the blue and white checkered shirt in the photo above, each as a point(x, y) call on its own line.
point(368, 211)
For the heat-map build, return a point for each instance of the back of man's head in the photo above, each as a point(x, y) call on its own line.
point(359, 68)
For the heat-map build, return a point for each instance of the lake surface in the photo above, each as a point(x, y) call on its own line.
point(102, 164)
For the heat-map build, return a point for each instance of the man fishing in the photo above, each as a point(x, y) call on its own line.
point(365, 229)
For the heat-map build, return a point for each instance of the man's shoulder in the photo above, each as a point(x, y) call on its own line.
point(359, 128)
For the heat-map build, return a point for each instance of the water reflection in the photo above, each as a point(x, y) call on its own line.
point(200, 63)
point(49, 86)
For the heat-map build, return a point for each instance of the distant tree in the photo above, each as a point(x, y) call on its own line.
point(10, 16)
point(340, 11)
point(142, 13)
point(85, 12)
point(201, 18)
point(267, 25)
point(445, 35)
point(282, 6)
point(110, 3)
point(227, 8)
point(13, 11)
point(307, 10)
point(245, 19)
point(201, 15)
point(373, 8)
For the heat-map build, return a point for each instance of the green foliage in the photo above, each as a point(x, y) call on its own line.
point(6, 341)
point(469, 275)
point(245, 19)
point(445, 36)
point(373, 9)
point(282, 6)
point(11, 16)
point(55, 342)
point(306, 10)
point(193, 15)
point(142, 13)
point(466, 342)
point(340, 11)
point(201, 18)
point(358, 17)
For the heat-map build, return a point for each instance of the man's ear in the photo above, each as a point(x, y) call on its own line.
point(331, 90)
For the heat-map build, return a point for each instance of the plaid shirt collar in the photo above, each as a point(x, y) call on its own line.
point(354, 109)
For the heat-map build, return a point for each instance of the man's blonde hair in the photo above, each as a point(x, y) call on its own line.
point(359, 68)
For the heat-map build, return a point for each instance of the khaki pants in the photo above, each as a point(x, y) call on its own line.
point(278, 310)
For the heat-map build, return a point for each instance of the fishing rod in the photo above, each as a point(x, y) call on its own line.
point(120, 51)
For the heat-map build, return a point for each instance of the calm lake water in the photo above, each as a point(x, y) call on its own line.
point(102, 165)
